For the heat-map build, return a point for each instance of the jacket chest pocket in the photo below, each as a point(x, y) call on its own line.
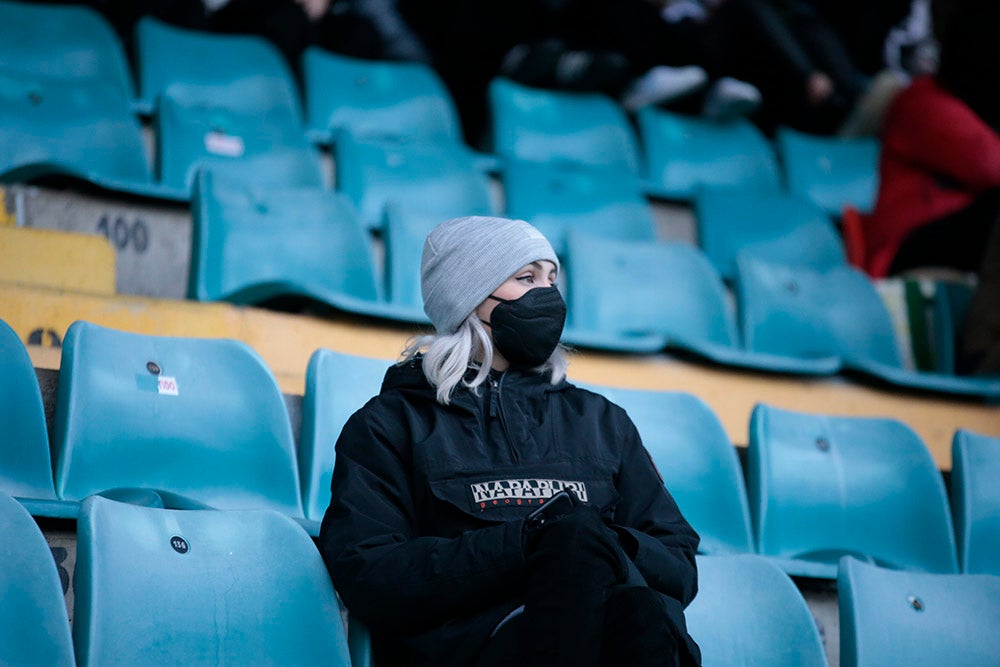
point(508, 494)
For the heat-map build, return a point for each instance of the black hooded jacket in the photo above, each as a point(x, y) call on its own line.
point(423, 534)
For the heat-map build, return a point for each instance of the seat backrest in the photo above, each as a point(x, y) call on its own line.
point(822, 486)
point(772, 226)
point(432, 176)
point(70, 42)
point(892, 617)
point(749, 612)
point(658, 287)
point(802, 312)
point(246, 72)
point(337, 385)
point(34, 625)
point(193, 132)
point(82, 129)
point(200, 418)
point(541, 125)
point(832, 172)
point(975, 501)
point(556, 197)
point(25, 463)
point(252, 243)
point(201, 587)
point(697, 461)
point(378, 98)
point(686, 153)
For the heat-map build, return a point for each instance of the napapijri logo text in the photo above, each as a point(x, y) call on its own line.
point(522, 491)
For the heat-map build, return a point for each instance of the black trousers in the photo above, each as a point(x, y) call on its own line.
point(586, 605)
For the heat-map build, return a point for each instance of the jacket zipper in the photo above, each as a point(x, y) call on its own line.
point(496, 410)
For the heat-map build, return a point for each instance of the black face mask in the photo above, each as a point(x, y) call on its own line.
point(527, 330)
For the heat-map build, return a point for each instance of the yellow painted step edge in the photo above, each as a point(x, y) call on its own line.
point(57, 260)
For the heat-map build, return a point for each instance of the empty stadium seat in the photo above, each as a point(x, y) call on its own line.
point(244, 73)
point(25, 461)
point(405, 229)
point(68, 42)
point(193, 132)
point(831, 172)
point(186, 422)
point(824, 486)
point(697, 461)
point(975, 501)
point(337, 385)
point(168, 587)
point(562, 196)
point(890, 617)
point(376, 98)
point(254, 243)
point(80, 129)
point(642, 296)
point(808, 313)
point(34, 625)
point(540, 125)
point(749, 612)
point(687, 153)
point(769, 225)
point(439, 177)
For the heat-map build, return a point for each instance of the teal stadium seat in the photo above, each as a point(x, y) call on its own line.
point(808, 313)
point(34, 625)
point(687, 153)
point(430, 176)
point(244, 73)
point(558, 197)
point(975, 501)
point(25, 461)
point(770, 225)
point(193, 133)
point(831, 172)
point(376, 98)
point(168, 587)
point(540, 125)
point(643, 296)
point(749, 612)
point(697, 461)
point(84, 130)
point(62, 43)
point(890, 617)
point(175, 422)
point(823, 486)
point(337, 385)
point(254, 243)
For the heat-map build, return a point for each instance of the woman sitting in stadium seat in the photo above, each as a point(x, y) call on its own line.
point(485, 511)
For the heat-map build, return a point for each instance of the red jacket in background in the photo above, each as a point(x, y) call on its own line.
point(937, 157)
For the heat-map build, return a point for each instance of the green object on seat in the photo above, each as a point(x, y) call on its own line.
point(198, 421)
point(201, 587)
point(686, 153)
point(749, 612)
point(824, 486)
point(540, 125)
point(34, 625)
point(891, 617)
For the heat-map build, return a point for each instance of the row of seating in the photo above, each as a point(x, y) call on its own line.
point(795, 312)
point(193, 423)
point(158, 586)
point(231, 100)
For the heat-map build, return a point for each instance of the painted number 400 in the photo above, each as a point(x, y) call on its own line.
point(124, 234)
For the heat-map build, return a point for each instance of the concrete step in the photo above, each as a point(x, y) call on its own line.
point(57, 260)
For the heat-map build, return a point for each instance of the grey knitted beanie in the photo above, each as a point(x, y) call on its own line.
point(466, 259)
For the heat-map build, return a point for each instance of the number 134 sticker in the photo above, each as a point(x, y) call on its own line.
point(167, 385)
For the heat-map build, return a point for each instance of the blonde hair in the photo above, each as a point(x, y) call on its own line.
point(448, 358)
